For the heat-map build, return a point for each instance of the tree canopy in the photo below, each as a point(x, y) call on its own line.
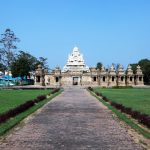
point(25, 63)
point(7, 54)
point(20, 63)
point(99, 65)
point(145, 66)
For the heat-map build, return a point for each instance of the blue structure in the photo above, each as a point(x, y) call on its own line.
point(6, 80)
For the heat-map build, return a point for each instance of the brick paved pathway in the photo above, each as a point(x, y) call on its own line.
point(72, 121)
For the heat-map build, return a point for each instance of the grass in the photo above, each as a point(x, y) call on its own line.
point(4, 127)
point(137, 99)
point(11, 98)
point(125, 118)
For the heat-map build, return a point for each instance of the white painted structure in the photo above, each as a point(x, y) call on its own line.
point(75, 62)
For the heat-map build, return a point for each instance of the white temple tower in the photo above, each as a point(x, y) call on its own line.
point(75, 62)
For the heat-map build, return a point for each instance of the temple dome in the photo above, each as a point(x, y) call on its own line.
point(75, 62)
point(75, 49)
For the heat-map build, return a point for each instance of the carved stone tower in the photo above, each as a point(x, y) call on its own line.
point(121, 76)
point(39, 76)
point(112, 76)
point(139, 76)
point(103, 77)
point(130, 76)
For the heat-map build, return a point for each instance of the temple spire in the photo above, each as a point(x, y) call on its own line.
point(75, 61)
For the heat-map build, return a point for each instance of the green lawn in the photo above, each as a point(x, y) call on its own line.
point(4, 127)
point(12, 98)
point(137, 99)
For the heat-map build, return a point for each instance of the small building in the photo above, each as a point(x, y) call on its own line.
point(76, 72)
point(138, 76)
point(130, 76)
point(40, 76)
point(120, 76)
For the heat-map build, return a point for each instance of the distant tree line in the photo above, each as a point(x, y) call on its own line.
point(19, 62)
point(144, 64)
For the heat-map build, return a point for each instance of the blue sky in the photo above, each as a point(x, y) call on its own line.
point(107, 31)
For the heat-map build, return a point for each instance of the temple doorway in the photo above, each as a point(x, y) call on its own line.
point(75, 80)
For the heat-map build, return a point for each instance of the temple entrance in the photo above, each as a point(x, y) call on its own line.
point(75, 80)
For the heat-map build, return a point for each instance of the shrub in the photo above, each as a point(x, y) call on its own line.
point(135, 114)
point(98, 94)
point(128, 110)
point(122, 87)
point(13, 112)
point(144, 119)
point(90, 88)
point(55, 90)
point(105, 98)
point(40, 98)
point(116, 105)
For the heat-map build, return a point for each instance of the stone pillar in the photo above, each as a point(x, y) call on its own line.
point(57, 74)
point(139, 76)
point(120, 76)
point(103, 77)
point(39, 76)
point(130, 76)
point(94, 76)
point(112, 76)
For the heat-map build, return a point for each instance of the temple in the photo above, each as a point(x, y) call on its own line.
point(76, 72)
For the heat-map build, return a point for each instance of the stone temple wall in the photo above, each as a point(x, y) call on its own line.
point(76, 72)
point(95, 77)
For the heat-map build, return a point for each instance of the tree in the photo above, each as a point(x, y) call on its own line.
point(145, 66)
point(7, 54)
point(2, 67)
point(23, 64)
point(33, 61)
point(134, 67)
point(99, 65)
point(43, 62)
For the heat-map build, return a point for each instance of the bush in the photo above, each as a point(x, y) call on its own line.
point(122, 87)
point(90, 88)
point(135, 114)
point(105, 98)
point(13, 112)
point(127, 110)
point(116, 105)
point(40, 98)
point(144, 119)
point(98, 94)
point(55, 90)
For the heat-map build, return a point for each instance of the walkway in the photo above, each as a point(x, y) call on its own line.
point(72, 121)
